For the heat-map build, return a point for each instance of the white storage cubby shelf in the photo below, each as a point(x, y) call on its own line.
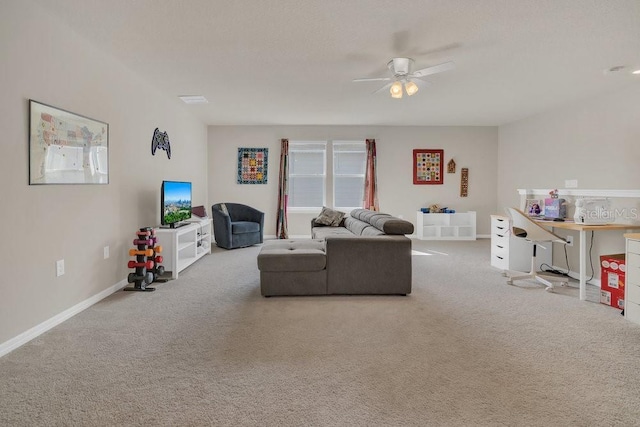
point(446, 226)
point(184, 245)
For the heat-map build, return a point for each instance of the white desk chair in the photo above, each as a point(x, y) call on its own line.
point(524, 227)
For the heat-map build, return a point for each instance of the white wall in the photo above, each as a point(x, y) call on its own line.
point(596, 141)
point(45, 61)
point(472, 147)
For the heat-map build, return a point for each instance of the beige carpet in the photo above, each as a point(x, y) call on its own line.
point(463, 349)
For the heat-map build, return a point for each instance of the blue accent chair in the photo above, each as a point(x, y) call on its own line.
point(236, 225)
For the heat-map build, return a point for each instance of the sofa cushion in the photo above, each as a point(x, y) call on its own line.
point(386, 223)
point(241, 227)
point(322, 232)
point(366, 215)
point(292, 255)
point(361, 228)
point(393, 226)
point(330, 217)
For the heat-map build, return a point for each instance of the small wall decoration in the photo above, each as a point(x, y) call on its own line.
point(427, 166)
point(451, 166)
point(464, 182)
point(66, 148)
point(252, 165)
point(160, 140)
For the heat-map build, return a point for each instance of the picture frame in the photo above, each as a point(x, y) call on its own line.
point(252, 165)
point(428, 166)
point(534, 207)
point(65, 147)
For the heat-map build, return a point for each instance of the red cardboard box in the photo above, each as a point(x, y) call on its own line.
point(612, 273)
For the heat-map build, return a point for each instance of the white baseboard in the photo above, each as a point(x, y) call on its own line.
point(295, 236)
point(479, 236)
point(25, 337)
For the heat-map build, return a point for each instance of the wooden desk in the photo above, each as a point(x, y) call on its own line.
point(570, 225)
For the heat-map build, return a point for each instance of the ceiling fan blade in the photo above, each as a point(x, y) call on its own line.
point(435, 50)
point(434, 70)
point(375, 79)
point(422, 84)
point(383, 88)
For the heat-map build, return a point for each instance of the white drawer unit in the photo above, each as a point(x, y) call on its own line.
point(514, 253)
point(632, 278)
point(500, 242)
point(446, 226)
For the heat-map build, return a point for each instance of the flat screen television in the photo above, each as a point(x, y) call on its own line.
point(175, 203)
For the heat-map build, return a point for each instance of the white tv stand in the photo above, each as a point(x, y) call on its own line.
point(184, 245)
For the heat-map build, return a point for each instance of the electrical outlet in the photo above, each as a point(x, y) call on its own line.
point(570, 183)
point(59, 268)
point(106, 252)
point(569, 240)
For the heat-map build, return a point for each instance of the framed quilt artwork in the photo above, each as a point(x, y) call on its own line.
point(427, 166)
point(252, 165)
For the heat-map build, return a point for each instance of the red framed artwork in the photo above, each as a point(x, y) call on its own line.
point(427, 166)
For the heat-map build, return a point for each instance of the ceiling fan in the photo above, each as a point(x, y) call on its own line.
point(404, 77)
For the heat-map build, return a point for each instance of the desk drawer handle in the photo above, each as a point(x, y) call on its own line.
point(499, 257)
point(501, 247)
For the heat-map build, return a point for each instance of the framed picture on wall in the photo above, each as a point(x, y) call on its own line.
point(427, 166)
point(66, 148)
point(252, 165)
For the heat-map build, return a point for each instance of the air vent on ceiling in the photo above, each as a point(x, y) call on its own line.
point(194, 99)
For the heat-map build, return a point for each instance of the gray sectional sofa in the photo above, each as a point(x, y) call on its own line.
point(368, 253)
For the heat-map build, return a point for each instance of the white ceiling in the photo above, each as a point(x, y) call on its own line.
point(292, 61)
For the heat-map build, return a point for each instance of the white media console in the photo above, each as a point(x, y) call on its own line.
point(182, 246)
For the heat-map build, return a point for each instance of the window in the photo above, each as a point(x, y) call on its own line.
point(349, 161)
point(310, 187)
point(307, 175)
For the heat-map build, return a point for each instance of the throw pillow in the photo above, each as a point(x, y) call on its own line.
point(223, 208)
point(330, 217)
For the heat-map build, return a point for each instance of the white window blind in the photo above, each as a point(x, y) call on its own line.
point(307, 174)
point(310, 185)
point(349, 162)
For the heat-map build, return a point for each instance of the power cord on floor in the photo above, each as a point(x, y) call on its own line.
point(566, 258)
point(550, 269)
point(556, 271)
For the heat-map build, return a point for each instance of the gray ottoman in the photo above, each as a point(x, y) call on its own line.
point(293, 267)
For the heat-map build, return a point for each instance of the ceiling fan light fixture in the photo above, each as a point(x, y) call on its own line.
point(411, 88)
point(396, 90)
